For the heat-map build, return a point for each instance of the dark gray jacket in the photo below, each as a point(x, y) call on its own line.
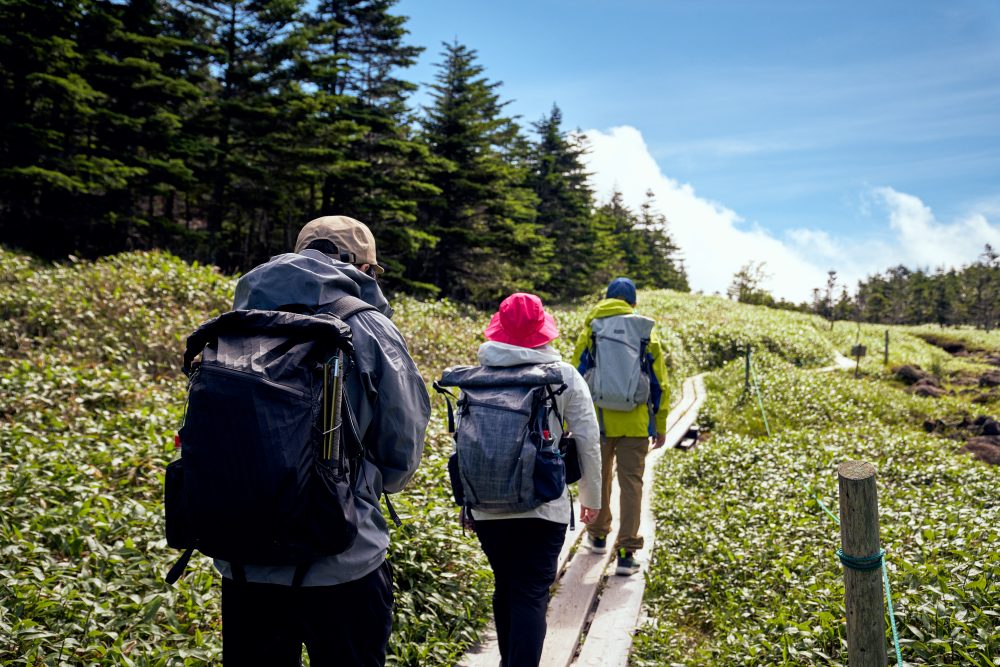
point(392, 408)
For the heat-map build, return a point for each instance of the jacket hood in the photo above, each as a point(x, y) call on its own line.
point(608, 308)
point(492, 353)
point(309, 278)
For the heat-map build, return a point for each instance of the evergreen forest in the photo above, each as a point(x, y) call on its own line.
point(216, 128)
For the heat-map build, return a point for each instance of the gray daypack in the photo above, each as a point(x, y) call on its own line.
point(505, 459)
point(619, 375)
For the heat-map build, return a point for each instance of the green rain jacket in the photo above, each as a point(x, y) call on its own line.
point(635, 423)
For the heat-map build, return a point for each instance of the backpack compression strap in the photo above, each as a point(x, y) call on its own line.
point(269, 322)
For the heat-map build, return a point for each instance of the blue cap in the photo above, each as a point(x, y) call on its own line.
point(622, 288)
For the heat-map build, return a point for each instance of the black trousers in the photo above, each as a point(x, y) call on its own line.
point(523, 554)
point(344, 625)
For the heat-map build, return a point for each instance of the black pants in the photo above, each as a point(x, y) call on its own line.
point(523, 554)
point(347, 624)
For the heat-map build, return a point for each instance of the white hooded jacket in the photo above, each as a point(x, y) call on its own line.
point(577, 409)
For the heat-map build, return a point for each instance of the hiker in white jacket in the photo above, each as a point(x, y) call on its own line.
point(523, 548)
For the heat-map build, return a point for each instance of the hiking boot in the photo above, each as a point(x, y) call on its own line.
point(627, 565)
point(597, 545)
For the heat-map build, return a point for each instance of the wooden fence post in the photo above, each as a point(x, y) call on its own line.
point(746, 372)
point(859, 538)
point(885, 362)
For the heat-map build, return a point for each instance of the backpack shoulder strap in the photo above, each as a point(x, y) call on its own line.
point(347, 306)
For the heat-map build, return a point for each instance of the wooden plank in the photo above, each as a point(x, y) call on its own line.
point(609, 637)
point(487, 652)
point(840, 363)
point(573, 599)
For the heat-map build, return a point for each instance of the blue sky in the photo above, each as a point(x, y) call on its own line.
point(808, 134)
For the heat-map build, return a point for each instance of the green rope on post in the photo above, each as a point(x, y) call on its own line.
point(863, 563)
point(867, 564)
point(760, 402)
point(892, 615)
point(822, 506)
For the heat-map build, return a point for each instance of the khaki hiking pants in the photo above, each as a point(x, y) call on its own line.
point(630, 454)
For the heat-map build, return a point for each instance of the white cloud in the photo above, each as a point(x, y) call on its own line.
point(925, 242)
point(716, 241)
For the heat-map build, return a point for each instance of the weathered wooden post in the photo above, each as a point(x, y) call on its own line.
point(858, 351)
point(746, 372)
point(859, 540)
point(885, 361)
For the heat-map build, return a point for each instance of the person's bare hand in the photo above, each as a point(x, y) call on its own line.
point(588, 515)
point(465, 518)
point(659, 441)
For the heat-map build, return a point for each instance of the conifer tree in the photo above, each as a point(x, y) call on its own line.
point(91, 113)
point(45, 165)
point(131, 54)
point(358, 49)
point(487, 242)
point(252, 45)
point(661, 266)
point(584, 253)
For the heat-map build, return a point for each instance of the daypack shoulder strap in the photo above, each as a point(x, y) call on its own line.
point(347, 306)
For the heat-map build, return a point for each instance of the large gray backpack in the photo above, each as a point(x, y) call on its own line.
point(619, 373)
point(505, 459)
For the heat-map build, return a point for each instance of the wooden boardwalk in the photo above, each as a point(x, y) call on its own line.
point(593, 613)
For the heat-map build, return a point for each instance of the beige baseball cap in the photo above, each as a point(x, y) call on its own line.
point(348, 234)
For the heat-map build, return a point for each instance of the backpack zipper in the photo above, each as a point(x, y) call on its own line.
point(247, 376)
point(482, 404)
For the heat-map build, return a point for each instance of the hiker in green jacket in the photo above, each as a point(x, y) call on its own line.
point(620, 355)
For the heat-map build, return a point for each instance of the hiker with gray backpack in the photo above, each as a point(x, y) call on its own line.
point(619, 354)
point(304, 408)
point(524, 426)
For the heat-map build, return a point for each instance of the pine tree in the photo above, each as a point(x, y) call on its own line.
point(132, 60)
point(584, 252)
point(662, 266)
point(487, 242)
point(357, 51)
point(620, 221)
point(92, 115)
point(252, 52)
point(49, 178)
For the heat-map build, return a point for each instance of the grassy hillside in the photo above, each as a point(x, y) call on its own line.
point(91, 395)
point(744, 571)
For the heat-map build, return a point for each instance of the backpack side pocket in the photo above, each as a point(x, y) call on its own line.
point(456, 479)
point(571, 458)
point(175, 508)
point(549, 473)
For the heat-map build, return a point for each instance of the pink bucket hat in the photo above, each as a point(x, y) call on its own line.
point(521, 320)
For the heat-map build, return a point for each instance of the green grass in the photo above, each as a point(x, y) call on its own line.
point(91, 395)
point(744, 571)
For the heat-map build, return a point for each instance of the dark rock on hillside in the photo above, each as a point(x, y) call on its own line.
point(911, 374)
point(984, 448)
point(990, 379)
point(926, 387)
